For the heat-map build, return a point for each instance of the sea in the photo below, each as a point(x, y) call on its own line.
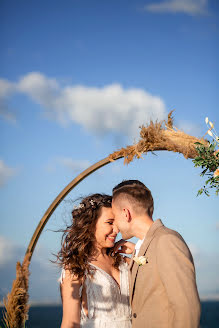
point(50, 316)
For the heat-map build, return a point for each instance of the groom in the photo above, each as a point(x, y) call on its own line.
point(163, 291)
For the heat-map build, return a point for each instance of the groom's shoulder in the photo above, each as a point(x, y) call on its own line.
point(171, 239)
point(169, 233)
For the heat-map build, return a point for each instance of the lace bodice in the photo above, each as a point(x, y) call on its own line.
point(108, 303)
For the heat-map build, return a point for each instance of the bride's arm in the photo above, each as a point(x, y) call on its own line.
point(70, 301)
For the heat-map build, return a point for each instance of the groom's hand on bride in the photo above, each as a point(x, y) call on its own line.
point(124, 247)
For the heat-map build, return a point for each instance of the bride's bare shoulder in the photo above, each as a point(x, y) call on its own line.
point(69, 283)
point(70, 295)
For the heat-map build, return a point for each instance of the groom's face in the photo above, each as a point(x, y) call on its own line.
point(120, 220)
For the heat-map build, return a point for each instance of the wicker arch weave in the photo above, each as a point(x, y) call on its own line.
point(156, 136)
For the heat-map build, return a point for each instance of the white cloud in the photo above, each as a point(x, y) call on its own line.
point(41, 89)
point(217, 226)
point(6, 89)
point(5, 173)
point(194, 250)
point(116, 168)
point(190, 128)
point(195, 253)
point(207, 275)
point(7, 250)
point(190, 7)
point(43, 283)
point(6, 113)
point(75, 165)
point(110, 109)
point(207, 269)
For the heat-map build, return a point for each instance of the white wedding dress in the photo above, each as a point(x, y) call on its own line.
point(108, 303)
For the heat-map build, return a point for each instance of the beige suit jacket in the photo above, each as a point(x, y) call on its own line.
point(163, 292)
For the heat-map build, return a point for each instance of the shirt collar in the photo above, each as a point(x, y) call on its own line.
point(138, 245)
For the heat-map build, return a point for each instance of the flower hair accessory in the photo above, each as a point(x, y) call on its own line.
point(77, 207)
point(95, 203)
point(92, 202)
point(140, 260)
point(81, 205)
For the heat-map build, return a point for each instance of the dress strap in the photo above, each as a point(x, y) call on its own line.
point(62, 276)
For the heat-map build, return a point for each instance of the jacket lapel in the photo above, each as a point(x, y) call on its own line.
point(130, 268)
point(132, 261)
point(133, 266)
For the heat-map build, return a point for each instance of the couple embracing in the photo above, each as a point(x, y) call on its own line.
point(101, 287)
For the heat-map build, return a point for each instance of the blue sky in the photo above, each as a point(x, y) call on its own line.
point(77, 79)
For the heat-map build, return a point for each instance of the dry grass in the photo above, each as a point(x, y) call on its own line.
point(16, 303)
point(159, 136)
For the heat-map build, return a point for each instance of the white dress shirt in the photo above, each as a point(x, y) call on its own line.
point(138, 246)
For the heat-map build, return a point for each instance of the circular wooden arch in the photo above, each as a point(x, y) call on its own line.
point(152, 138)
point(59, 198)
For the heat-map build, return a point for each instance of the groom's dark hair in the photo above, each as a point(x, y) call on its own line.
point(136, 193)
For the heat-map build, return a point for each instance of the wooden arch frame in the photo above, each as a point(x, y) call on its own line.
point(156, 136)
point(58, 200)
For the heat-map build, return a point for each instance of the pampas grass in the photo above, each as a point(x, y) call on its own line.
point(16, 303)
point(160, 136)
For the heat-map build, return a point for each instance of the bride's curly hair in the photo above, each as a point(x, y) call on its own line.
point(78, 239)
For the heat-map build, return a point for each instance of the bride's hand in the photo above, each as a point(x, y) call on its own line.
point(126, 247)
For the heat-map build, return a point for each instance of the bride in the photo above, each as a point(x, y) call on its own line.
point(94, 281)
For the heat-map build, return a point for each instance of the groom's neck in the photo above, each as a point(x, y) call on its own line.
point(141, 225)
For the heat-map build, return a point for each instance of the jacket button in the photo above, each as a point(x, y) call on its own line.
point(134, 315)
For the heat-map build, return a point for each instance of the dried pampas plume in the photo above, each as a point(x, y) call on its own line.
point(16, 303)
point(160, 136)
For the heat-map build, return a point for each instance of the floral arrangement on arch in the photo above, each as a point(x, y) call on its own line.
point(208, 159)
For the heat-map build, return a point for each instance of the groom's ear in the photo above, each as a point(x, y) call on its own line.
point(127, 214)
